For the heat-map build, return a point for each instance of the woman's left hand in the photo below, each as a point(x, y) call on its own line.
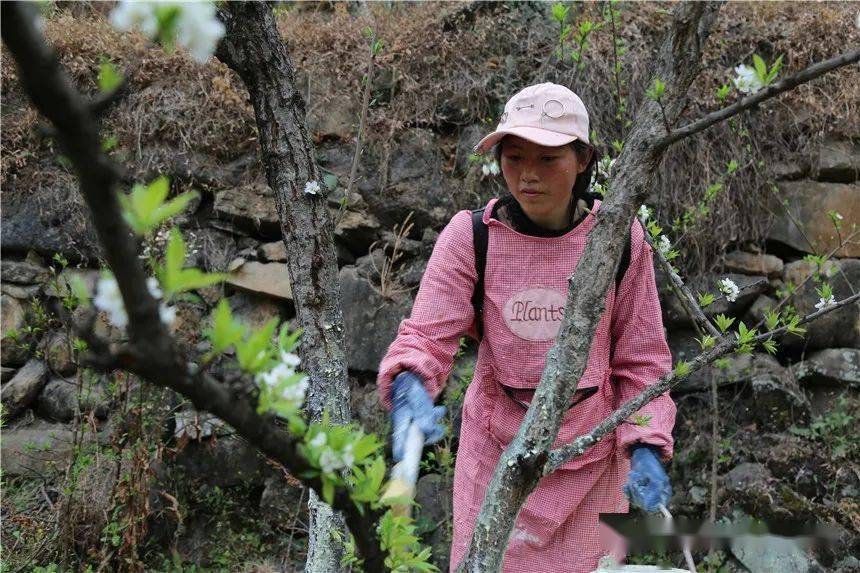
point(647, 483)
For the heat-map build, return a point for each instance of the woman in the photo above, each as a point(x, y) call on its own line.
point(536, 236)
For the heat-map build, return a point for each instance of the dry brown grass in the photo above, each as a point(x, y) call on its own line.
point(444, 79)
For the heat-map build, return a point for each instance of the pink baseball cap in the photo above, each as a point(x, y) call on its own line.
point(546, 114)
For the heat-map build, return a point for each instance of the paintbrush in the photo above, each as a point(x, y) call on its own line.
point(404, 475)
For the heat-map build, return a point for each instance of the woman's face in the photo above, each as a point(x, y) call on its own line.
point(541, 179)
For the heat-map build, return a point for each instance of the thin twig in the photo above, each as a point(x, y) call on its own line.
point(687, 299)
point(723, 346)
point(798, 288)
point(794, 220)
point(616, 70)
point(365, 102)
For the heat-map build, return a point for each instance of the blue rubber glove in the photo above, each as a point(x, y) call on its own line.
point(647, 483)
point(412, 402)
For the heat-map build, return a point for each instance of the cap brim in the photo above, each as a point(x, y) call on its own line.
point(533, 134)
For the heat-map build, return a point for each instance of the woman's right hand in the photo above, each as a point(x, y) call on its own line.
point(413, 403)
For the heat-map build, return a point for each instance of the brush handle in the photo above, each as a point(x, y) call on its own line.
point(404, 475)
point(407, 469)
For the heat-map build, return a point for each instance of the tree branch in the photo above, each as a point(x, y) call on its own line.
point(784, 85)
point(725, 345)
point(691, 305)
point(152, 353)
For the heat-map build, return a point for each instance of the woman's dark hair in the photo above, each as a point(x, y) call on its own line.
point(583, 180)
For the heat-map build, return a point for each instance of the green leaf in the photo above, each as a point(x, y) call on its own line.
point(559, 12)
point(172, 207)
point(175, 279)
point(109, 143)
point(152, 196)
point(144, 208)
point(705, 299)
point(723, 92)
point(225, 331)
point(109, 79)
point(723, 322)
point(682, 368)
point(174, 260)
point(79, 289)
point(769, 345)
point(774, 70)
point(771, 319)
point(328, 490)
point(793, 328)
point(256, 352)
point(712, 190)
point(706, 342)
point(760, 67)
point(745, 335)
point(656, 91)
point(654, 229)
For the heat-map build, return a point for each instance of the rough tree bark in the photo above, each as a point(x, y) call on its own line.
point(253, 48)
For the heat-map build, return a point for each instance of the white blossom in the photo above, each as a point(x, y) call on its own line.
point(319, 440)
point(347, 457)
point(198, 29)
point(290, 359)
point(838, 216)
point(730, 289)
point(312, 188)
point(153, 287)
point(644, 213)
point(109, 300)
point(329, 461)
point(825, 303)
point(604, 166)
point(664, 245)
point(294, 392)
point(140, 15)
point(490, 168)
point(747, 80)
point(167, 313)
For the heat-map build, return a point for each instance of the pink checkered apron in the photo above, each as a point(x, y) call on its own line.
point(525, 292)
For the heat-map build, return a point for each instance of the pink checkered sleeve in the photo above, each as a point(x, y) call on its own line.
point(640, 354)
point(442, 313)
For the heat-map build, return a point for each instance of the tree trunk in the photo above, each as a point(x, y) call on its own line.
point(253, 48)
